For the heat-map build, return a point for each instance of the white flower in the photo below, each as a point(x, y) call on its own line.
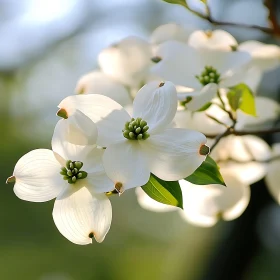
point(200, 121)
point(145, 143)
point(204, 71)
point(150, 204)
point(245, 156)
point(266, 57)
point(205, 205)
point(73, 174)
point(127, 62)
point(170, 31)
point(267, 110)
point(216, 40)
point(272, 178)
point(97, 82)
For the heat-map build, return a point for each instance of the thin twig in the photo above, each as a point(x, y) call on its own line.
point(220, 136)
point(247, 132)
point(275, 30)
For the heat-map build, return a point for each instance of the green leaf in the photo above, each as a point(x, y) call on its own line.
point(241, 97)
point(166, 192)
point(207, 174)
point(179, 2)
point(204, 107)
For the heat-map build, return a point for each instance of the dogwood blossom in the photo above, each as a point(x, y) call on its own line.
point(143, 143)
point(127, 62)
point(265, 56)
point(170, 31)
point(216, 40)
point(245, 156)
point(97, 82)
point(73, 174)
point(201, 70)
point(206, 205)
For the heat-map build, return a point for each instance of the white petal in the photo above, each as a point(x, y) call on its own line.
point(78, 213)
point(234, 76)
point(170, 31)
point(109, 116)
point(93, 165)
point(128, 61)
point(180, 64)
point(156, 104)
point(272, 179)
point(99, 83)
point(73, 136)
point(174, 153)
point(267, 57)
point(226, 63)
point(240, 192)
point(37, 176)
point(150, 204)
point(249, 172)
point(202, 97)
point(217, 39)
point(198, 206)
point(199, 121)
point(242, 148)
point(125, 163)
point(100, 183)
point(203, 205)
point(266, 109)
point(253, 78)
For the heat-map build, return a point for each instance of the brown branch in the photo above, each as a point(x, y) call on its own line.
point(219, 137)
point(270, 4)
point(245, 132)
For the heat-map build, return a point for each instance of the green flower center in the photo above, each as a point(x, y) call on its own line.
point(209, 75)
point(136, 129)
point(72, 172)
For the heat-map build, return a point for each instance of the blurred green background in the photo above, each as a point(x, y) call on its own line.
point(45, 46)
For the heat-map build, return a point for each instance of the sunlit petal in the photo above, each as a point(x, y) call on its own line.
point(99, 83)
point(108, 115)
point(174, 153)
point(125, 164)
point(37, 176)
point(156, 103)
point(81, 215)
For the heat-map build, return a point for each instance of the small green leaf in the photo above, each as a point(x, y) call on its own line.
point(204, 107)
point(241, 97)
point(207, 174)
point(179, 2)
point(166, 192)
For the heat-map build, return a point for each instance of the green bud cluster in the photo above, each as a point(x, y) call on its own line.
point(209, 75)
point(136, 129)
point(72, 172)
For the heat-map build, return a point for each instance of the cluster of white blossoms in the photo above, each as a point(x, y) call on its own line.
point(200, 64)
point(98, 148)
point(145, 111)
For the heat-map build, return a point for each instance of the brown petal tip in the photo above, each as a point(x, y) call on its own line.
point(204, 150)
point(156, 59)
point(119, 188)
point(161, 84)
point(62, 113)
point(11, 179)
